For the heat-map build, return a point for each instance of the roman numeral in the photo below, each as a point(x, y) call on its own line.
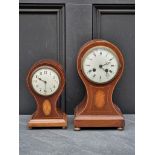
point(89, 71)
point(110, 59)
point(94, 54)
point(89, 59)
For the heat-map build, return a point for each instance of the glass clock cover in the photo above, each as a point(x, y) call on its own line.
point(100, 64)
point(45, 80)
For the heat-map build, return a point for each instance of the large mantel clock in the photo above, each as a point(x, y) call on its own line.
point(100, 65)
point(45, 81)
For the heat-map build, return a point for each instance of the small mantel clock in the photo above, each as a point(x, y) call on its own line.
point(100, 65)
point(45, 81)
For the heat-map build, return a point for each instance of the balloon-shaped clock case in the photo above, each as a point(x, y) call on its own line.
point(45, 81)
point(100, 65)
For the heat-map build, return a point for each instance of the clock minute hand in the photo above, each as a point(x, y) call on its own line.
point(45, 87)
point(106, 64)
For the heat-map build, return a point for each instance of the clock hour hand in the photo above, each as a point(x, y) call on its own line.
point(101, 67)
point(42, 80)
point(106, 70)
point(45, 82)
point(90, 71)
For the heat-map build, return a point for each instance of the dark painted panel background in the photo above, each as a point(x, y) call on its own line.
point(116, 23)
point(41, 37)
point(58, 31)
point(78, 31)
point(121, 33)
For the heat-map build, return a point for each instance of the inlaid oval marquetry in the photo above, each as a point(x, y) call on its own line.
point(46, 107)
point(99, 99)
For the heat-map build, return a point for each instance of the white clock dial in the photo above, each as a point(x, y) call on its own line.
point(100, 64)
point(45, 80)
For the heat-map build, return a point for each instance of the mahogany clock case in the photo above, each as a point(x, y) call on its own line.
point(97, 108)
point(47, 113)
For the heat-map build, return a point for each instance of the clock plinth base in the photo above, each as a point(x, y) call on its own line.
point(99, 121)
point(57, 122)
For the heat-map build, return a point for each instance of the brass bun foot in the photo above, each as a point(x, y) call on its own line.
point(120, 128)
point(77, 129)
point(64, 127)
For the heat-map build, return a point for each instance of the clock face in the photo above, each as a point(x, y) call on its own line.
point(45, 80)
point(100, 64)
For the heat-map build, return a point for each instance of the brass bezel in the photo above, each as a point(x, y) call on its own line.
point(88, 52)
point(46, 67)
